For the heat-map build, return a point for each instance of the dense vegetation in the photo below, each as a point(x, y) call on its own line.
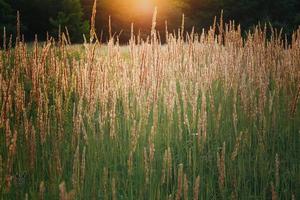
point(206, 116)
point(42, 17)
point(46, 16)
point(280, 13)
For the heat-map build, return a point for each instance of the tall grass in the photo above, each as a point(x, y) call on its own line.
point(205, 116)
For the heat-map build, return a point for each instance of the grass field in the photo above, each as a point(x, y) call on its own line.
point(205, 116)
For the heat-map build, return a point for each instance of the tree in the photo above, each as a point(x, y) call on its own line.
point(7, 17)
point(39, 17)
point(71, 17)
point(280, 13)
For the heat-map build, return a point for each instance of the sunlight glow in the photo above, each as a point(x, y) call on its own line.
point(144, 6)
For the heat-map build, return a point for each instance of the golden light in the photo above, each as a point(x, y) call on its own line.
point(139, 11)
point(144, 6)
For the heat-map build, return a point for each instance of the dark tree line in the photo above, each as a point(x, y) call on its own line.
point(279, 13)
point(40, 17)
point(46, 16)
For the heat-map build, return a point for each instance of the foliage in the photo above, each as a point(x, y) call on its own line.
point(70, 17)
point(280, 13)
point(40, 17)
point(47, 15)
point(7, 17)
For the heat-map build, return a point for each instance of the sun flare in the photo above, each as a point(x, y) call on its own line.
point(144, 6)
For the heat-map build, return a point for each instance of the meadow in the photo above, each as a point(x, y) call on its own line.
point(209, 115)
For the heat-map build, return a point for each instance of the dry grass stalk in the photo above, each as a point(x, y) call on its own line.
point(274, 193)
point(134, 136)
point(76, 171)
point(18, 28)
point(185, 187)
point(130, 163)
point(64, 194)
point(164, 167)
point(82, 169)
point(146, 166)
point(196, 188)
point(166, 31)
point(42, 191)
point(221, 167)
point(93, 21)
point(203, 120)
point(295, 102)
point(57, 161)
point(151, 145)
point(112, 117)
point(234, 114)
point(167, 166)
point(109, 28)
point(4, 38)
point(182, 27)
point(218, 117)
point(179, 182)
point(237, 146)
point(153, 28)
point(11, 153)
point(7, 133)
